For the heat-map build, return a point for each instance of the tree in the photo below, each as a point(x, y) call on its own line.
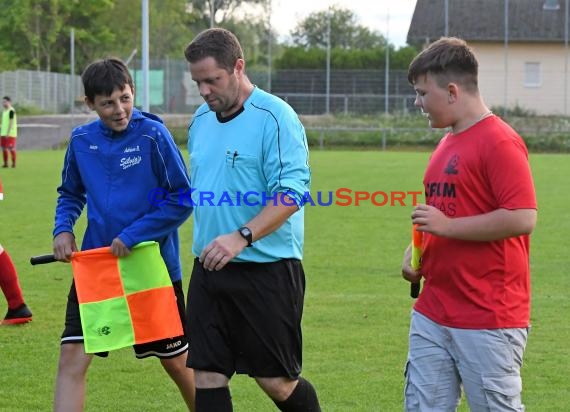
point(352, 46)
point(35, 34)
point(169, 21)
point(8, 61)
point(36, 25)
point(401, 58)
point(38, 31)
point(92, 32)
point(247, 19)
point(345, 32)
point(219, 12)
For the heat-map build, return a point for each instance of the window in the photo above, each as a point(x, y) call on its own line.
point(532, 74)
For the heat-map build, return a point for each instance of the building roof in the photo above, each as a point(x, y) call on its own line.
point(484, 20)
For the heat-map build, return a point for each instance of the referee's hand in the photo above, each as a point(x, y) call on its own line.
point(222, 250)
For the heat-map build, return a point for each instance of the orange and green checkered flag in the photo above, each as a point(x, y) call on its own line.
point(124, 301)
point(417, 237)
point(416, 260)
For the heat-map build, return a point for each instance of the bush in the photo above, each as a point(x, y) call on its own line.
point(411, 132)
point(180, 135)
point(516, 111)
point(28, 110)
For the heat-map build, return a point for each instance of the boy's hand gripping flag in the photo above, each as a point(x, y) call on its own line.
point(124, 301)
point(415, 261)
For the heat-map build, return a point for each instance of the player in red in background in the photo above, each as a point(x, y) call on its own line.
point(9, 131)
point(18, 312)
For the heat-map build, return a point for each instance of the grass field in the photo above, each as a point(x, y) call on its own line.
point(357, 306)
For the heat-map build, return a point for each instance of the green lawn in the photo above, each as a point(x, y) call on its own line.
point(357, 306)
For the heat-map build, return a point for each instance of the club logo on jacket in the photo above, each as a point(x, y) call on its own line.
point(451, 168)
point(132, 149)
point(130, 161)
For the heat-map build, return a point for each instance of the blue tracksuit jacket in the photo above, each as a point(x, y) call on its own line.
point(134, 184)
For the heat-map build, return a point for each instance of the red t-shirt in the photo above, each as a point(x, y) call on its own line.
point(468, 284)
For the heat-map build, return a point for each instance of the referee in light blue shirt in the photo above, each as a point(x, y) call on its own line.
point(248, 151)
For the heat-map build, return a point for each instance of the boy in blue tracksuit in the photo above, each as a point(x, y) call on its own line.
point(126, 167)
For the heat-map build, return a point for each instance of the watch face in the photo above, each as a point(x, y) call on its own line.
point(246, 234)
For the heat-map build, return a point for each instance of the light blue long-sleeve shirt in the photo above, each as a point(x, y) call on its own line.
point(241, 163)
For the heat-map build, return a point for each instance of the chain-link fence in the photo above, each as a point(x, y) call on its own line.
point(173, 91)
point(349, 91)
point(49, 92)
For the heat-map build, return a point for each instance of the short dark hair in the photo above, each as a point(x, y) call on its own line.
point(103, 76)
point(448, 59)
point(7, 98)
point(221, 44)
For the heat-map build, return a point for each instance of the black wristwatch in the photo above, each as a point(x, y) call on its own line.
point(246, 234)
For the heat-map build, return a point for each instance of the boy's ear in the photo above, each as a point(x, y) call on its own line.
point(89, 103)
point(452, 91)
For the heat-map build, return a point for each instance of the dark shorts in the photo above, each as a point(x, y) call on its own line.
point(165, 348)
point(246, 318)
point(8, 142)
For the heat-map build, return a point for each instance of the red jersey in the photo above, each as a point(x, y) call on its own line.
point(468, 284)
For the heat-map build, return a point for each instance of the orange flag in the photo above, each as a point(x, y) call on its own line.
point(124, 301)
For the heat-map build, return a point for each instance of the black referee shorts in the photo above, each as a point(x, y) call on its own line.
point(246, 318)
point(164, 348)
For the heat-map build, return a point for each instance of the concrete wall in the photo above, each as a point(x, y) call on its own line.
point(50, 132)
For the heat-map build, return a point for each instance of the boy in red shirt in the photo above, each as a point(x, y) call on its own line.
point(470, 324)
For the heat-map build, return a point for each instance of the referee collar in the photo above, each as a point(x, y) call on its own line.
point(232, 116)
